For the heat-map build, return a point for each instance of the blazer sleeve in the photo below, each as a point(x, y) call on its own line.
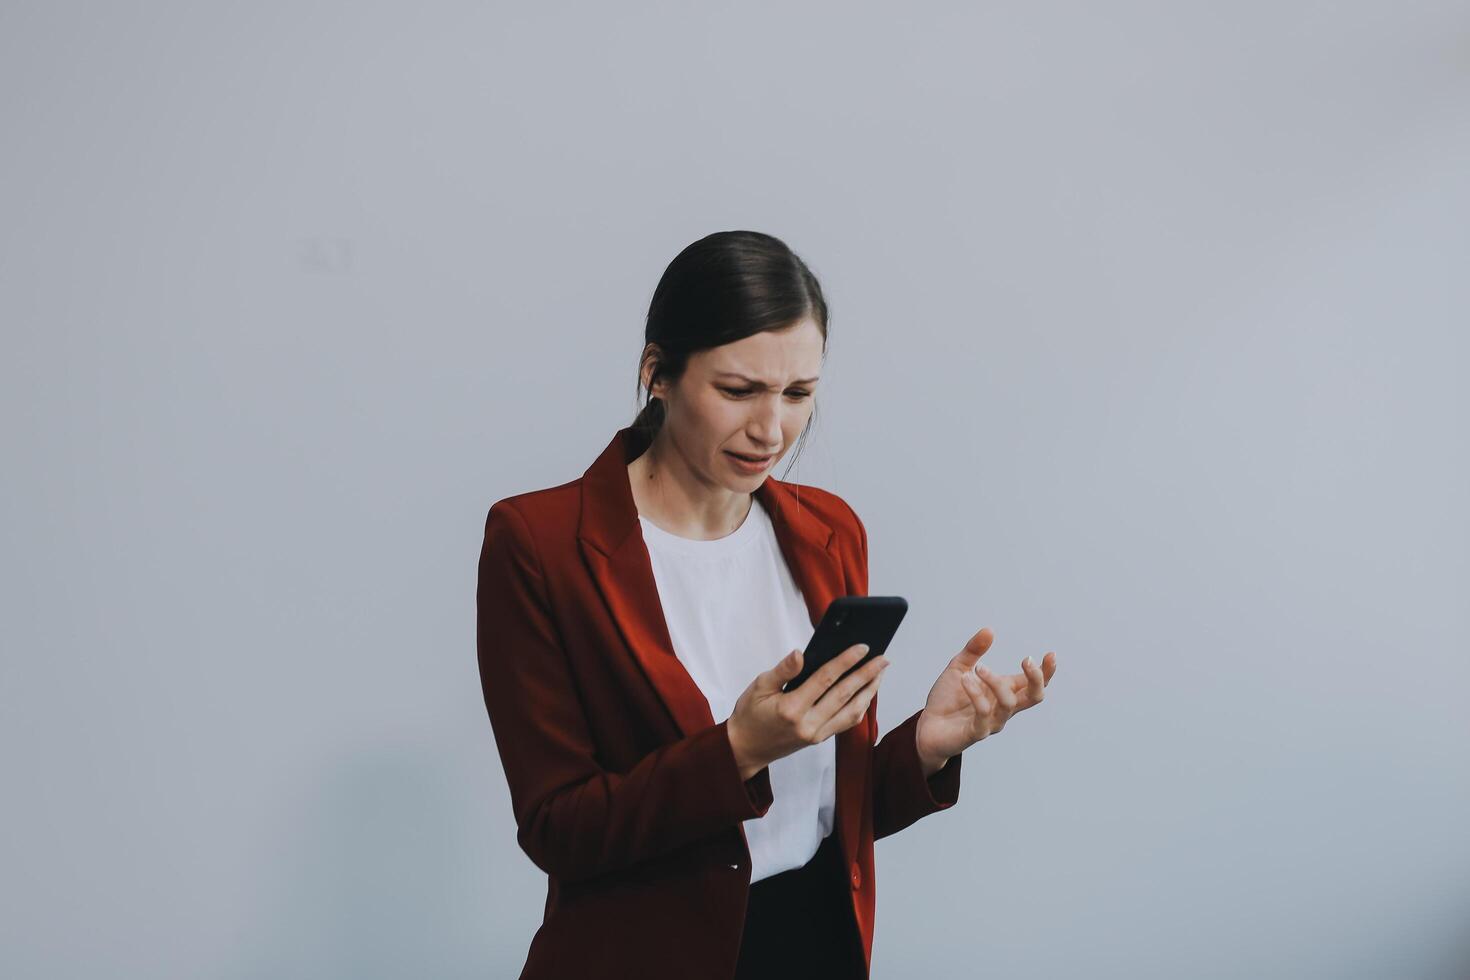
point(901, 794)
point(574, 818)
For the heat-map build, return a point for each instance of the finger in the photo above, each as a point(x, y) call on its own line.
point(852, 712)
point(1018, 683)
point(786, 668)
point(1036, 686)
point(839, 694)
point(1003, 693)
point(817, 684)
point(980, 701)
point(986, 703)
point(1023, 685)
point(974, 649)
point(1048, 666)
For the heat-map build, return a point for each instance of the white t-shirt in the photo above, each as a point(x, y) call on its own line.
point(733, 610)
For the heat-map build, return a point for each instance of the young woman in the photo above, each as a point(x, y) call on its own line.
point(676, 583)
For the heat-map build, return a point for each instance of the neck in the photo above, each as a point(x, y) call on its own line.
point(675, 497)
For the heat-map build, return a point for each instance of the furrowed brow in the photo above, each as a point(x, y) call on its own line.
point(759, 384)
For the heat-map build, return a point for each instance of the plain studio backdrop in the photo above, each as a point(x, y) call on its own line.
point(1148, 346)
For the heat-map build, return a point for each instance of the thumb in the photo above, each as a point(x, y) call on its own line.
point(974, 649)
point(773, 680)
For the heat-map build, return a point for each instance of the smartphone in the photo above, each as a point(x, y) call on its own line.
point(849, 620)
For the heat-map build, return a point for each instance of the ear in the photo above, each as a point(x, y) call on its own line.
point(647, 363)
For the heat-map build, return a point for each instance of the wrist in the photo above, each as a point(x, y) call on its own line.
point(747, 766)
point(929, 762)
point(931, 766)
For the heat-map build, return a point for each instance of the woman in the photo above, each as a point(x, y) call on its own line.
point(621, 613)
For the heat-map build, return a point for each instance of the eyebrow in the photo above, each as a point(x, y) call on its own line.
point(754, 381)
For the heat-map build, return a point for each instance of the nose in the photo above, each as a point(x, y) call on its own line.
point(765, 427)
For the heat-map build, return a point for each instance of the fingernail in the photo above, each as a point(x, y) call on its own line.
point(1026, 662)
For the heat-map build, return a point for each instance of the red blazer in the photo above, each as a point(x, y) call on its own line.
point(625, 790)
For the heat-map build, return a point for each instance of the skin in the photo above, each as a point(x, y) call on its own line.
point(687, 485)
point(970, 702)
point(684, 482)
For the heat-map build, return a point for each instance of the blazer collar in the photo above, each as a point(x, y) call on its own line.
point(611, 541)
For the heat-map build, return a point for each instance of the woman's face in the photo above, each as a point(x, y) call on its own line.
point(752, 396)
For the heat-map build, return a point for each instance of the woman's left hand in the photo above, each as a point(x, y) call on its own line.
point(969, 701)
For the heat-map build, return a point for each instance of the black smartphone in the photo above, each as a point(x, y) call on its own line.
point(849, 620)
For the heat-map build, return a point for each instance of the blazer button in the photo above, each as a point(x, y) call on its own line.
point(857, 877)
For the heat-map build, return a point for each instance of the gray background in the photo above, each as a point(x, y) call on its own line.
point(1148, 347)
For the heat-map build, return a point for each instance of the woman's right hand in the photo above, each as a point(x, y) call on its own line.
point(768, 724)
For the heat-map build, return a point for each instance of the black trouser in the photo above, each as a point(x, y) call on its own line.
point(799, 923)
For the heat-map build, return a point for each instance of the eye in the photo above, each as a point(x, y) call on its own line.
point(797, 393)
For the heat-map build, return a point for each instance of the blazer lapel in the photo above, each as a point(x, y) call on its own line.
point(612, 546)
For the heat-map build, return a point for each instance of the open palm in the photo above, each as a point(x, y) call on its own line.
point(969, 701)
